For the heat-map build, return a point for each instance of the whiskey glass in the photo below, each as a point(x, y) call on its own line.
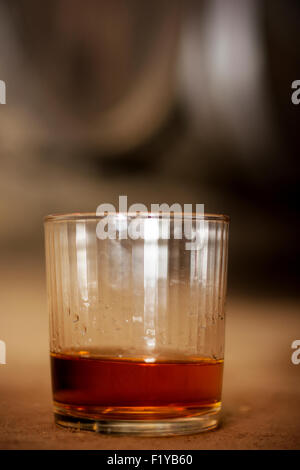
point(137, 324)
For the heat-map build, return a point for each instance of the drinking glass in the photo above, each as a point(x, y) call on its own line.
point(137, 323)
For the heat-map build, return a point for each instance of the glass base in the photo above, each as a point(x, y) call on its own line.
point(203, 420)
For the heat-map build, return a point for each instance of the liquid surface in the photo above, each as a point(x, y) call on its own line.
point(104, 385)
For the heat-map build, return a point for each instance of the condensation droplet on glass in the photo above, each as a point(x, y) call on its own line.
point(137, 319)
point(150, 342)
point(76, 319)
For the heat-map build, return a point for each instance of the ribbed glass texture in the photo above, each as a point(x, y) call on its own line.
point(152, 297)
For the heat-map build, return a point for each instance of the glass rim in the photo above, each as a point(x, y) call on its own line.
point(85, 216)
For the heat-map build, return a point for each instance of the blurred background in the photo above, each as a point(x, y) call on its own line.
point(185, 101)
point(182, 101)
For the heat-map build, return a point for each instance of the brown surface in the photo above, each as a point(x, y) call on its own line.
point(261, 399)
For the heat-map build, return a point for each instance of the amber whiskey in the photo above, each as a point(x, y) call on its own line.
point(101, 387)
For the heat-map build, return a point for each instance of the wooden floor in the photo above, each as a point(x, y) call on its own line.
point(261, 399)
